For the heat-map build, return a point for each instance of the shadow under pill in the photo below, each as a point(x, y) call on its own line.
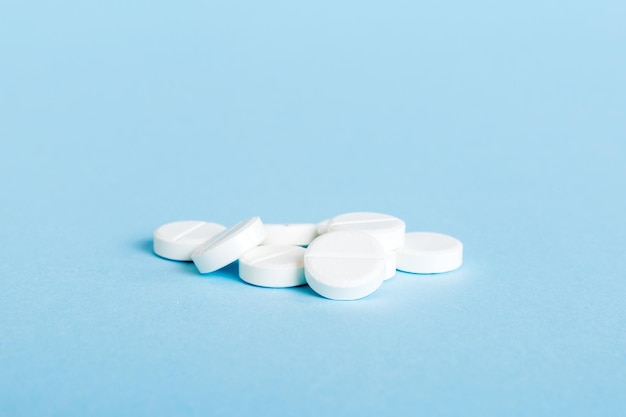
point(305, 289)
point(144, 246)
point(187, 266)
point(230, 271)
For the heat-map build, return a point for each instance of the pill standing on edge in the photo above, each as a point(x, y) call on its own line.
point(429, 253)
point(177, 240)
point(389, 230)
point(275, 266)
point(345, 265)
point(299, 234)
point(228, 245)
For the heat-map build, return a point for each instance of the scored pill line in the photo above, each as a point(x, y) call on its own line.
point(186, 232)
point(272, 256)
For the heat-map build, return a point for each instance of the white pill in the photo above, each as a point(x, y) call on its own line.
point(429, 253)
point(322, 227)
point(290, 234)
point(228, 245)
point(391, 258)
point(344, 265)
point(177, 240)
point(274, 266)
point(389, 230)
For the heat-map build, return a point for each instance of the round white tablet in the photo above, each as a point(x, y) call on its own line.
point(274, 266)
point(177, 240)
point(429, 253)
point(389, 230)
point(391, 259)
point(344, 265)
point(300, 234)
point(228, 245)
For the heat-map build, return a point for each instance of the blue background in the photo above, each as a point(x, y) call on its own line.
point(500, 123)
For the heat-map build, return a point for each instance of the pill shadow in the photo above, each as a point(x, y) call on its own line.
point(299, 291)
point(305, 290)
point(230, 271)
point(144, 246)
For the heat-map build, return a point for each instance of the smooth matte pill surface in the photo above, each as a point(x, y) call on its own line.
point(389, 230)
point(322, 227)
point(177, 240)
point(345, 265)
point(228, 245)
point(429, 253)
point(274, 266)
point(299, 234)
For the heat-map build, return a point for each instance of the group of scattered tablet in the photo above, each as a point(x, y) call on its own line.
point(343, 258)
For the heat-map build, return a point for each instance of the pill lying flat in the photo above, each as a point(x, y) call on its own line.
point(274, 266)
point(389, 230)
point(391, 259)
point(344, 265)
point(429, 253)
point(177, 240)
point(300, 234)
point(228, 245)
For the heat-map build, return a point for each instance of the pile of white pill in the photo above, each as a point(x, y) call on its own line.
point(343, 258)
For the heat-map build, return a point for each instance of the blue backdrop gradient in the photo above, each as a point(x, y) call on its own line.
point(502, 124)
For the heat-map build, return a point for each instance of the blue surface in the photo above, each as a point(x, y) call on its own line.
point(502, 124)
